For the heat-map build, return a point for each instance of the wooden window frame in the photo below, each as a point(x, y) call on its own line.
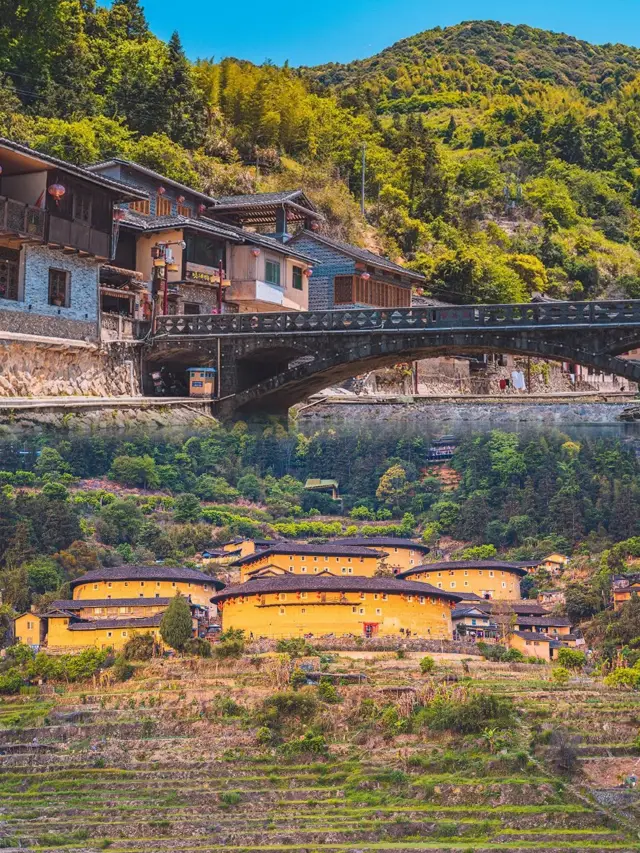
point(143, 206)
point(184, 210)
point(53, 287)
point(276, 265)
point(297, 282)
point(163, 206)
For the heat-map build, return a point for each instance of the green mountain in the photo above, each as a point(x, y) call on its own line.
point(501, 160)
point(482, 58)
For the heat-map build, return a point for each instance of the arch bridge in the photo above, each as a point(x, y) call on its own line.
point(271, 361)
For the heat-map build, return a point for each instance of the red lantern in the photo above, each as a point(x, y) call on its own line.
point(365, 276)
point(119, 214)
point(255, 252)
point(308, 272)
point(0, 170)
point(202, 208)
point(161, 191)
point(180, 199)
point(57, 191)
point(314, 226)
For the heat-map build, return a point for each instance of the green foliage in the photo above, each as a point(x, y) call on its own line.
point(427, 665)
point(479, 552)
point(231, 644)
point(571, 658)
point(560, 674)
point(295, 647)
point(139, 647)
point(197, 647)
point(624, 677)
point(176, 627)
point(327, 692)
point(310, 742)
point(137, 471)
point(122, 669)
point(478, 712)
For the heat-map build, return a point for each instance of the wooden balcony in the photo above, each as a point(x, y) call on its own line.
point(353, 289)
point(72, 234)
point(22, 220)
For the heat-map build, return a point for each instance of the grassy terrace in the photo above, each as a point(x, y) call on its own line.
point(176, 760)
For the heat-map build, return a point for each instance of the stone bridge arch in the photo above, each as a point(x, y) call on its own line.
point(272, 361)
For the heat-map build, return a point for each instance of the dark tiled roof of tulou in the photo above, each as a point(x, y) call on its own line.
point(450, 565)
point(327, 582)
point(147, 573)
point(134, 623)
point(80, 604)
point(325, 550)
point(385, 541)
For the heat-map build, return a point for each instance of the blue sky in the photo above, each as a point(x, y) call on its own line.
point(311, 32)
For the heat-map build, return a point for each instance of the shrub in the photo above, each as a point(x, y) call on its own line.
point(560, 674)
point(571, 658)
point(197, 647)
point(298, 678)
point(230, 644)
point(479, 711)
point(139, 647)
point(427, 665)
point(328, 693)
point(11, 682)
point(296, 647)
point(230, 798)
point(288, 705)
point(264, 736)
point(623, 677)
point(122, 669)
point(309, 742)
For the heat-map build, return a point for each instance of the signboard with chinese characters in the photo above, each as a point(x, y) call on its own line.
point(199, 274)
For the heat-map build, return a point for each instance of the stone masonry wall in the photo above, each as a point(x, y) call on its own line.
point(329, 263)
point(33, 314)
point(41, 370)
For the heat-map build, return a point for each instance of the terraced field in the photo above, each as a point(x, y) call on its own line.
point(173, 760)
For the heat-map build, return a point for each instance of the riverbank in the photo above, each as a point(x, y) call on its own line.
point(92, 413)
point(462, 414)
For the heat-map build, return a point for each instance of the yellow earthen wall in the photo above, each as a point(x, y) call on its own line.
point(539, 650)
point(497, 583)
point(27, 629)
point(59, 636)
point(200, 593)
point(319, 614)
point(310, 564)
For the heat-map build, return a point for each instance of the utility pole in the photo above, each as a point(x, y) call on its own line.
point(364, 169)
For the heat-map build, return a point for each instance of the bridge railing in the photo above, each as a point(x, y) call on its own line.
point(404, 319)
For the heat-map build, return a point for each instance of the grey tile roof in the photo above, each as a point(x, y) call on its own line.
point(97, 624)
point(357, 253)
point(545, 621)
point(331, 583)
point(325, 550)
point(144, 573)
point(266, 199)
point(162, 179)
point(532, 635)
point(385, 542)
point(80, 604)
point(451, 565)
point(125, 191)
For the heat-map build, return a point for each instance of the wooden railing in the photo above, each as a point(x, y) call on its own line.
point(16, 217)
point(464, 317)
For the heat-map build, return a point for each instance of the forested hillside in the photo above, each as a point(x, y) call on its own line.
point(501, 160)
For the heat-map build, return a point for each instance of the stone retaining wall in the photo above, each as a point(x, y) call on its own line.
point(377, 644)
point(31, 369)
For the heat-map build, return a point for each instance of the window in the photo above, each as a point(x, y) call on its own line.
point(385, 596)
point(304, 610)
point(421, 599)
point(350, 570)
point(453, 584)
point(344, 570)
point(184, 210)
point(362, 611)
point(490, 574)
point(59, 288)
point(303, 568)
point(190, 308)
point(109, 584)
point(29, 626)
point(282, 611)
point(504, 586)
point(95, 586)
point(297, 278)
point(122, 609)
point(173, 583)
point(124, 633)
point(109, 634)
point(163, 206)
point(141, 583)
point(466, 573)
point(354, 609)
point(9, 274)
point(375, 596)
point(82, 207)
point(409, 598)
point(143, 207)
point(303, 595)
point(272, 271)
point(378, 611)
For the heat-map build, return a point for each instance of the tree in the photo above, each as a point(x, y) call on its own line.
point(250, 487)
point(215, 489)
point(43, 575)
point(119, 522)
point(391, 485)
point(187, 508)
point(135, 471)
point(50, 462)
point(176, 626)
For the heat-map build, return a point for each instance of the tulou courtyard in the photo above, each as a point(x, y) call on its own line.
point(307, 750)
